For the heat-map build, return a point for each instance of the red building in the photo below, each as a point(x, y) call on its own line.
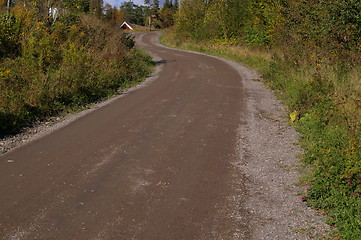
point(126, 26)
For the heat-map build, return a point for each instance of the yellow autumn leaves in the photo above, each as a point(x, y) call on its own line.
point(294, 116)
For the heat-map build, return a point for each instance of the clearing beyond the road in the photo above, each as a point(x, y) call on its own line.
point(198, 151)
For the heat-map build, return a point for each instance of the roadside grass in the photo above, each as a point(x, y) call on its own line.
point(251, 57)
point(54, 69)
point(324, 101)
point(146, 68)
point(32, 101)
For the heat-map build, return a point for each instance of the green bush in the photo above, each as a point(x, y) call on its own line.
point(65, 65)
point(256, 36)
point(10, 36)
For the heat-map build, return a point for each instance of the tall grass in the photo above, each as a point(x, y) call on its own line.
point(78, 60)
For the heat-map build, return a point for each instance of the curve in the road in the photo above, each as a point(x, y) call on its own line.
point(155, 164)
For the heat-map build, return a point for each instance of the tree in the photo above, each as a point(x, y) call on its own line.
point(109, 13)
point(113, 15)
point(7, 4)
point(152, 12)
point(175, 5)
point(133, 13)
point(167, 4)
point(166, 17)
point(96, 7)
point(190, 19)
point(156, 4)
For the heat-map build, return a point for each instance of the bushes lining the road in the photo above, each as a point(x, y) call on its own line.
point(45, 69)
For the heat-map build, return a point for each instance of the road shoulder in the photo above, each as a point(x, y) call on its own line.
point(268, 148)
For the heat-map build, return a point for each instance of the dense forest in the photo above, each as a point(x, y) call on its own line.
point(309, 52)
point(56, 55)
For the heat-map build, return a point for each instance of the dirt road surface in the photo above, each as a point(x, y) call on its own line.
point(161, 162)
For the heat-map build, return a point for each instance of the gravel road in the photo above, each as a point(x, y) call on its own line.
point(201, 150)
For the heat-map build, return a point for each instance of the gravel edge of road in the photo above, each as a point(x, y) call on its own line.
point(268, 157)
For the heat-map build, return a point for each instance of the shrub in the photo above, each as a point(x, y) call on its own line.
point(10, 36)
point(68, 64)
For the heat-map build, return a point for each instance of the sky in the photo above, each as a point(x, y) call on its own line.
point(118, 2)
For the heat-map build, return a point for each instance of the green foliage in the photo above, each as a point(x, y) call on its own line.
point(128, 40)
point(70, 19)
point(10, 36)
point(133, 13)
point(336, 180)
point(252, 21)
point(71, 63)
point(255, 36)
point(295, 25)
point(264, 19)
point(166, 16)
point(77, 5)
point(330, 29)
point(189, 21)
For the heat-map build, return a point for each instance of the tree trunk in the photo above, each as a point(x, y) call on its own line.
point(8, 6)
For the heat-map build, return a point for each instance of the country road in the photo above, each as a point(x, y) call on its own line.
point(158, 163)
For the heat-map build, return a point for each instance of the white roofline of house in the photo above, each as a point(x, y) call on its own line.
point(126, 24)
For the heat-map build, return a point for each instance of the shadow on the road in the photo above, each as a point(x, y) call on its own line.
point(157, 63)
